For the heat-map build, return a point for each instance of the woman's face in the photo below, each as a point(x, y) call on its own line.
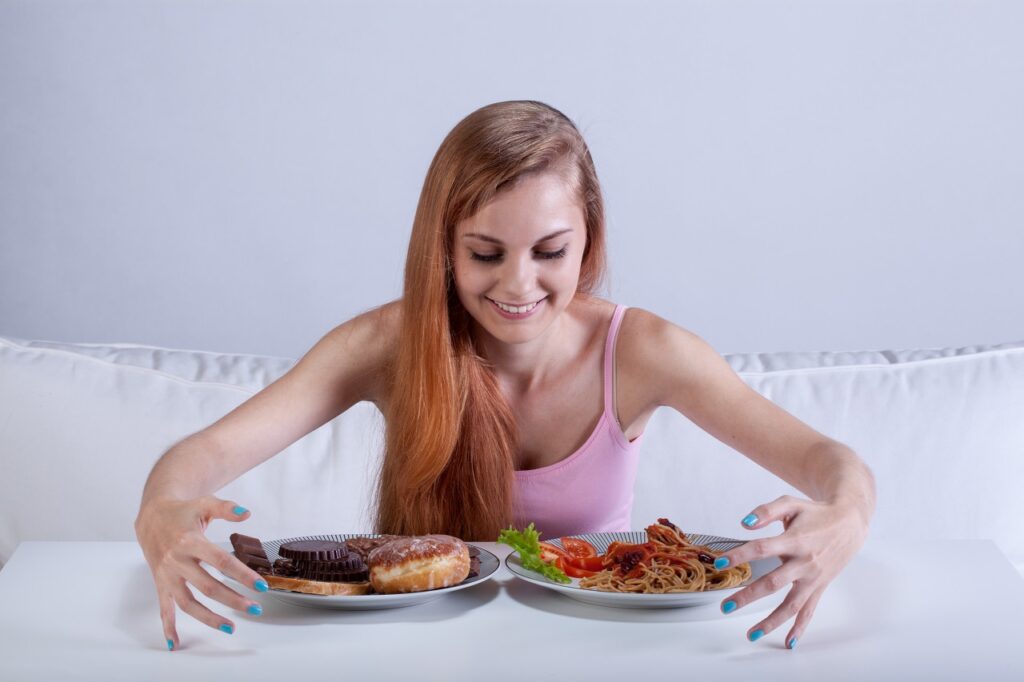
point(521, 250)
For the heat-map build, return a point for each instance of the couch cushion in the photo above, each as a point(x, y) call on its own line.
point(82, 424)
point(81, 427)
point(251, 372)
point(942, 430)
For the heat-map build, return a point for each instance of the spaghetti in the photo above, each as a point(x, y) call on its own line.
point(667, 562)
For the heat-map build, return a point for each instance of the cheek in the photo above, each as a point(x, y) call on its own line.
point(467, 278)
point(568, 276)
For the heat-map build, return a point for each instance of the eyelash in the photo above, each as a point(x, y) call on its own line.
point(546, 255)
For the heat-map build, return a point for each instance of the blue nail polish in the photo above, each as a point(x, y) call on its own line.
point(239, 510)
point(792, 643)
point(170, 645)
point(756, 635)
point(721, 562)
point(227, 628)
point(261, 585)
point(729, 606)
point(255, 609)
point(749, 520)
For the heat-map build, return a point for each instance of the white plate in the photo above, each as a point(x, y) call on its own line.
point(671, 600)
point(364, 602)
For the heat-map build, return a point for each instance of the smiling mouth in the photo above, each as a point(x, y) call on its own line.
point(516, 309)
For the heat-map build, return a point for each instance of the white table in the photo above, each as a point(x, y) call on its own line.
point(87, 610)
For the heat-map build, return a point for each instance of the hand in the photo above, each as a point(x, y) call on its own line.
point(170, 532)
point(819, 539)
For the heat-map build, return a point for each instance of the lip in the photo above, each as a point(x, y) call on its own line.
point(517, 316)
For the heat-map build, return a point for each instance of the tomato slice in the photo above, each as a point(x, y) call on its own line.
point(575, 547)
point(573, 571)
point(588, 563)
point(550, 553)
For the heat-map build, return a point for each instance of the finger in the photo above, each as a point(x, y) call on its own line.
point(789, 572)
point(214, 589)
point(753, 550)
point(216, 508)
point(782, 509)
point(188, 603)
point(803, 617)
point(167, 614)
point(789, 607)
point(229, 565)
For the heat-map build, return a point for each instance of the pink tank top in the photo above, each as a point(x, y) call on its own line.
point(591, 490)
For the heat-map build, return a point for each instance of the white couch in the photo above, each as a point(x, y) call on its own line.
point(82, 424)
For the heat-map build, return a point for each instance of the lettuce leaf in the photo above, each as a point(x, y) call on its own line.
point(527, 544)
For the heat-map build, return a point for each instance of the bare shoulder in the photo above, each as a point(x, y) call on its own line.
point(671, 366)
point(341, 369)
point(382, 319)
point(659, 357)
point(370, 336)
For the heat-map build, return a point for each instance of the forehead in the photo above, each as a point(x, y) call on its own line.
point(535, 206)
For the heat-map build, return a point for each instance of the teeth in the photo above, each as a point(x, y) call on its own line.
point(516, 309)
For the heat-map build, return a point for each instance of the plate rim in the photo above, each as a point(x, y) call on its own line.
point(573, 588)
point(363, 598)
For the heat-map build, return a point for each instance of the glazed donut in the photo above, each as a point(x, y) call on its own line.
point(416, 564)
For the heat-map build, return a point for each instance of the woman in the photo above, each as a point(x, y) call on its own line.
point(496, 364)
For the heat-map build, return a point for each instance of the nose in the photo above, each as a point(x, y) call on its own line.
point(519, 276)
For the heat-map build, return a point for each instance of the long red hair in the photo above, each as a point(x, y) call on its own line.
point(450, 436)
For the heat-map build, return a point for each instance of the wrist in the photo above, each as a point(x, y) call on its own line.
point(851, 485)
point(862, 506)
point(153, 501)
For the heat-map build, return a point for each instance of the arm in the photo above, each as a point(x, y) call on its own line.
point(340, 370)
point(696, 381)
point(337, 372)
point(820, 537)
point(840, 476)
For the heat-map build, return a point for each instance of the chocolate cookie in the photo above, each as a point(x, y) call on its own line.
point(313, 550)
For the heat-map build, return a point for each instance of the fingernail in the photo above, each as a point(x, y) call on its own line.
point(227, 628)
point(261, 585)
point(170, 645)
point(792, 643)
point(255, 609)
point(749, 520)
point(756, 635)
point(239, 510)
point(729, 606)
point(721, 562)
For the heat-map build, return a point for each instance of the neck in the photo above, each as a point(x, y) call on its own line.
point(521, 367)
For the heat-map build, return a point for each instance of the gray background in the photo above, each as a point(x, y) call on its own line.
point(242, 176)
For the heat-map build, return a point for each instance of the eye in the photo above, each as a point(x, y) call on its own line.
point(545, 255)
point(553, 254)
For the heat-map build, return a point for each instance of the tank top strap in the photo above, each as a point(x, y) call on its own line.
point(609, 362)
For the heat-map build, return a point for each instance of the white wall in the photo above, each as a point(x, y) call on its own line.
point(242, 176)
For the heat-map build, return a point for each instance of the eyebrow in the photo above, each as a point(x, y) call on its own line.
point(498, 241)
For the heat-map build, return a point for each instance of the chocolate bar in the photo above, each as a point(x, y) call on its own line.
point(247, 545)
